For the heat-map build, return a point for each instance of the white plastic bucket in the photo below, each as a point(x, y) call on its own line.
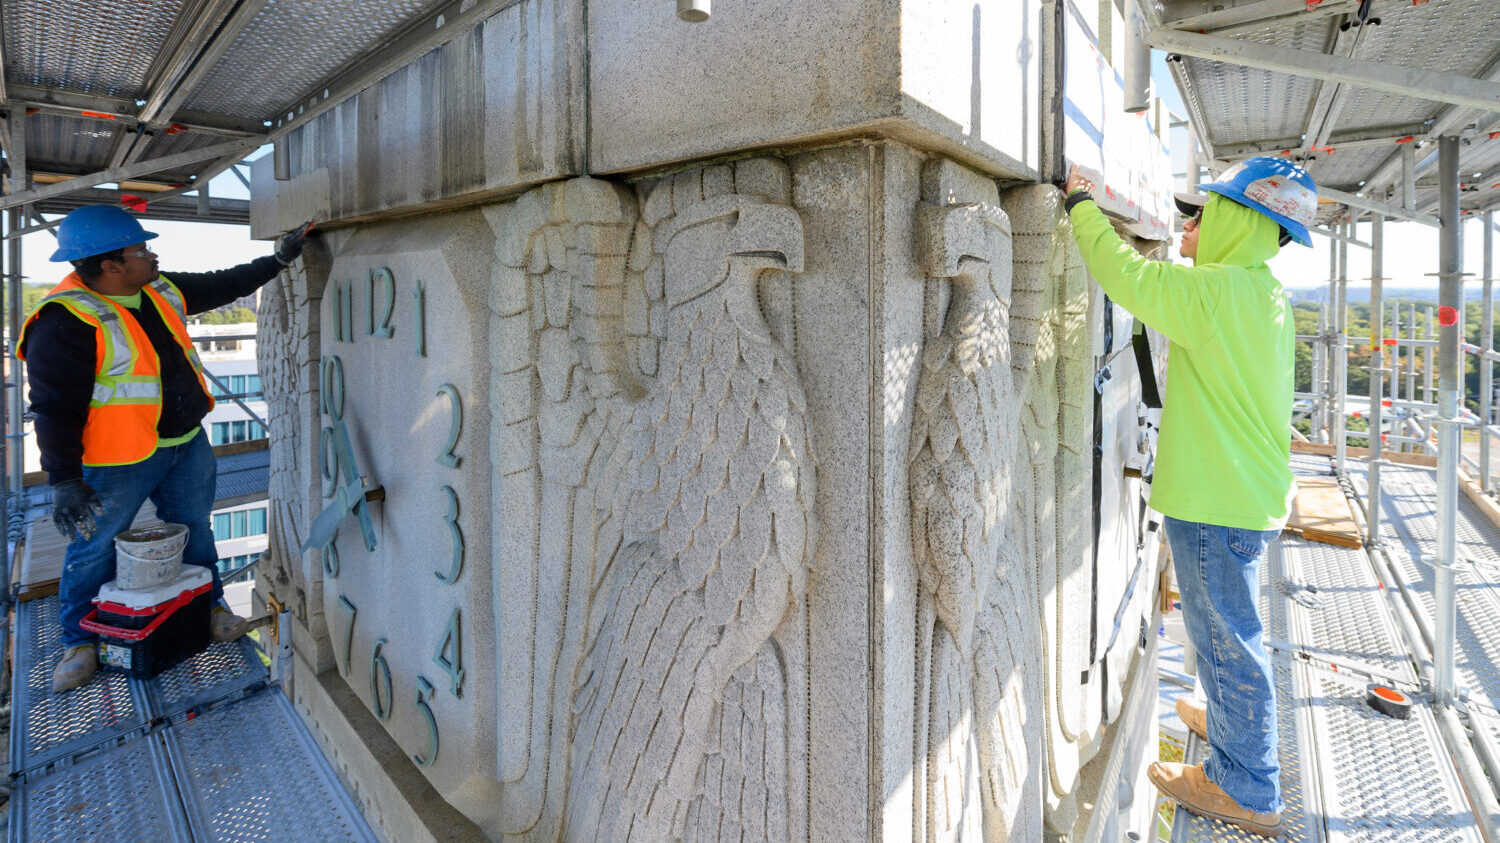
point(150, 556)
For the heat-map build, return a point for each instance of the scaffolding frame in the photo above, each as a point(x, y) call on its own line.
point(1430, 420)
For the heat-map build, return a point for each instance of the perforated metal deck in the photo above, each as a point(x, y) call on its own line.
point(1408, 506)
point(47, 726)
point(1348, 773)
point(208, 750)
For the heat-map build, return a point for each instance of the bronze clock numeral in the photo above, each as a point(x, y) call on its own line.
point(331, 558)
point(348, 631)
point(425, 692)
point(456, 567)
point(380, 677)
point(420, 293)
point(330, 461)
point(343, 311)
point(453, 666)
point(455, 426)
point(331, 385)
point(382, 282)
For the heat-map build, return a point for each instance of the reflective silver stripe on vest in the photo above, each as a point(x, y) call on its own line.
point(168, 291)
point(119, 365)
point(138, 389)
point(129, 389)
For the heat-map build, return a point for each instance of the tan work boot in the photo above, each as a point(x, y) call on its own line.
point(1194, 715)
point(76, 668)
point(1191, 789)
point(224, 625)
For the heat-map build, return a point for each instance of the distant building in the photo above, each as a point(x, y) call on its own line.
point(228, 354)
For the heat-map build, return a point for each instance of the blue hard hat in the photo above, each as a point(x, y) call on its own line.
point(1275, 187)
point(96, 229)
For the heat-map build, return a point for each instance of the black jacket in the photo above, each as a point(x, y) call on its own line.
point(60, 355)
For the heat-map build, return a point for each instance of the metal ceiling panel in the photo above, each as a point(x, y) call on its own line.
point(68, 144)
point(85, 46)
point(1240, 107)
point(1430, 37)
point(293, 45)
point(1343, 170)
point(1250, 104)
point(163, 145)
point(1481, 169)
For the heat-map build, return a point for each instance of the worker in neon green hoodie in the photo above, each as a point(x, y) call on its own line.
point(1222, 476)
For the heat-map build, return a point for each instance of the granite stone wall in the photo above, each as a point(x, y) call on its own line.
point(665, 447)
point(722, 499)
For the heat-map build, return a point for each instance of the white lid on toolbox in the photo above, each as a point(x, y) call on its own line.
point(192, 576)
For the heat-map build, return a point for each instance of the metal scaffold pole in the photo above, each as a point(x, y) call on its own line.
point(1395, 370)
point(15, 446)
point(1450, 299)
point(1427, 363)
point(1318, 353)
point(15, 408)
point(1377, 375)
point(1411, 353)
point(1341, 351)
point(1486, 365)
point(1329, 345)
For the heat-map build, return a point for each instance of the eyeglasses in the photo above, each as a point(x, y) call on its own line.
point(142, 253)
point(1195, 220)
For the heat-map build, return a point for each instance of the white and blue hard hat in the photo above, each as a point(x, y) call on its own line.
point(1275, 187)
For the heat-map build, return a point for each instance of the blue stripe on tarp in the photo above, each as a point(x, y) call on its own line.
point(1094, 132)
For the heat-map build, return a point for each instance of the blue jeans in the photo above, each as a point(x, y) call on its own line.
point(1218, 576)
point(180, 481)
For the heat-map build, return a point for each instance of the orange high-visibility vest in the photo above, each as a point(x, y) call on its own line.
point(126, 405)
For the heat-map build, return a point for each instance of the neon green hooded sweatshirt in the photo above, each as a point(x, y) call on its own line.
point(1223, 455)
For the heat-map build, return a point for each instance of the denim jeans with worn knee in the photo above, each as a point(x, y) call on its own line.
point(180, 481)
point(1218, 576)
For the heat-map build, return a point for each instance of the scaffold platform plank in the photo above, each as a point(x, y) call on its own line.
point(41, 560)
point(1320, 513)
point(42, 554)
point(46, 727)
point(124, 795)
point(251, 772)
point(207, 750)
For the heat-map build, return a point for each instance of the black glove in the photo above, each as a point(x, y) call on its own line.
point(290, 244)
point(74, 506)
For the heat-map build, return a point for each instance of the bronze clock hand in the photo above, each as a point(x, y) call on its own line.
point(351, 496)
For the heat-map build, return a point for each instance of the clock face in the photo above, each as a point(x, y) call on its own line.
point(403, 380)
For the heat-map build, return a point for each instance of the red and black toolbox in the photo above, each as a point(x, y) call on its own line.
point(143, 631)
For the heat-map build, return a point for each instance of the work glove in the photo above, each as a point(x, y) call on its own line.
point(74, 507)
point(290, 244)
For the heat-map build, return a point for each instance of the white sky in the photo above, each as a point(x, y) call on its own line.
point(1411, 250)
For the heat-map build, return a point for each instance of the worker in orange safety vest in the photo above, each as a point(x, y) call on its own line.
point(118, 395)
